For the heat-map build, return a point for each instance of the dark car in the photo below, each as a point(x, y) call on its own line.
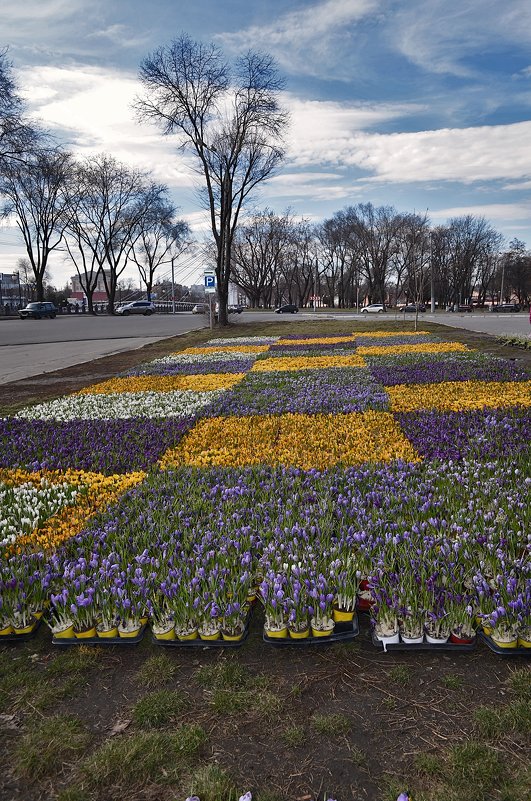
point(235, 309)
point(506, 307)
point(412, 307)
point(288, 308)
point(38, 310)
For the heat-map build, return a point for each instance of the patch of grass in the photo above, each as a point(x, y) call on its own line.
point(401, 674)
point(452, 681)
point(158, 708)
point(157, 669)
point(265, 703)
point(211, 783)
point(293, 736)
point(75, 661)
point(520, 682)
point(489, 721)
point(358, 757)
point(474, 771)
point(48, 744)
point(222, 675)
point(135, 760)
point(73, 794)
point(518, 716)
point(332, 725)
point(429, 764)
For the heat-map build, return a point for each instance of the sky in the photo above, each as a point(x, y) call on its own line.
point(423, 105)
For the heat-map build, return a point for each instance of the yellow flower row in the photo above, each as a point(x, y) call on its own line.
point(429, 347)
point(224, 349)
point(316, 340)
point(96, 492)
point(307, 441)
point(282, 363)
point(459, 395)
point(158, 383)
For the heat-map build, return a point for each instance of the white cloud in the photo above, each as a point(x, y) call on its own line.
point(307, 39)
point(327, 134)
point(442, 36)
point(495, 212)
point(92, 108)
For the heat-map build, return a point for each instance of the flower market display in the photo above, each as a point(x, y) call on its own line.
point(302, 479)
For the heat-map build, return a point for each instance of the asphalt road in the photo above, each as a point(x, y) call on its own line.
point(33, 347)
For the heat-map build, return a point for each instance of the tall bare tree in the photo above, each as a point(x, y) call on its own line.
point(229, 119)
point(36, 192)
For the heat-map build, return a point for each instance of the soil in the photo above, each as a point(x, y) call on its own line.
point(393, 716)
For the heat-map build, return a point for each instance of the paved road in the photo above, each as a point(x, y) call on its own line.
point(32, 347)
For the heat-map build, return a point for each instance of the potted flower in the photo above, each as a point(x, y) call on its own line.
point(345, 574)
point(321, 608)
point(273, 597)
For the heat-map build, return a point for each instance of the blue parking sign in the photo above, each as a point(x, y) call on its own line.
point(210, 281)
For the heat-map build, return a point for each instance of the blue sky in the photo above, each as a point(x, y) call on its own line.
point(418, 104)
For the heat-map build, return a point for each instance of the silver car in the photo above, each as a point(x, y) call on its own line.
point(373, 308)
point(145, 307)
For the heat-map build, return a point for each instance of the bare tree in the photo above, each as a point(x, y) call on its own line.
point(161, 238)
point(230, 120)
point(37, 194)
point(111, 200)
point(18, 138)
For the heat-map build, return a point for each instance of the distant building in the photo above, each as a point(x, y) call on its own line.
point(78, 294)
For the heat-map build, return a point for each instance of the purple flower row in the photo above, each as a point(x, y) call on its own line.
point(331, 390)
point(437, 371)
point(103, 446)
point(192, 368)
point(478, 434)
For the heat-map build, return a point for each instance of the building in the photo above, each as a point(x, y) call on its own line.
point(78, 294)
point(12, 295)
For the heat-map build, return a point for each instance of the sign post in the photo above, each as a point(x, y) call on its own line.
point(210, 289)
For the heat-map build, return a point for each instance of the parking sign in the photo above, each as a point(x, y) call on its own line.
point(210, 282)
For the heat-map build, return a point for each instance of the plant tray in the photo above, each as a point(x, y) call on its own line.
point(343, 632)
point(504, 651)
point(21, 637)
point(72, 642)
point(425, 646)
point(199, 643)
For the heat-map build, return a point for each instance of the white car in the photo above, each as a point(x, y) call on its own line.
point(373, 308)
point(145, 307)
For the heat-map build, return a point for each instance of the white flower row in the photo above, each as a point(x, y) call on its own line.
point(179, 403)
point(197, 358)
point(24, 508)
point(242, 341)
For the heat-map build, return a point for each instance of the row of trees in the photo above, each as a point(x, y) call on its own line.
point(377, 254)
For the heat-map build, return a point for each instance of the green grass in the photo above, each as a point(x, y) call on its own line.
point(75, 661)
point(519, 682)
point(134, 761)
point(158, 708)
point(48, 745)
point(452, 681)
point(211, 783)
point(494, 722)
point(293, 736)
point(158, 669)
point(222, 675)
point(401, 674)
point(334, 725)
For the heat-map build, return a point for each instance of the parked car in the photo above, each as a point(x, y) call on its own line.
point(200, 308)
point(413, 307)
point(145, 307)
point(288, 308)
point(506, 307)
point(38, 310)
point(235, 309)
point(373, 308)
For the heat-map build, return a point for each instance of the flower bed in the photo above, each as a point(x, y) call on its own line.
point(278, 488)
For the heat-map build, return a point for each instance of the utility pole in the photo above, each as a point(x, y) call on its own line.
point(172, 285)
point(432, 276)
point(315, 287)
